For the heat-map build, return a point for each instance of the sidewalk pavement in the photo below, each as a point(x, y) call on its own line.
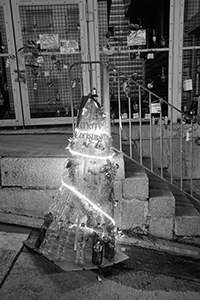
point(147, 274)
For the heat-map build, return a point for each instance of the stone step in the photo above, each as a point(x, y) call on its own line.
point(154, 214)
point(161, 209)
point(21, 220)
point(195, 202)
point(187, 210)
point(132, 194)
point(187, 217)
point(136, 184)
point(30, 183)
point(26, 202)
point(40, 172)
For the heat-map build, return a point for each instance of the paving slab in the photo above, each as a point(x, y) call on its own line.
point(10, 246)
point(33, 277)
point(12, 219)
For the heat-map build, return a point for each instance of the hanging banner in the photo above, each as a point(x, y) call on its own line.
point(137, 38)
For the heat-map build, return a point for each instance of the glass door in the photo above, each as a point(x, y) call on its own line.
point(51, 36)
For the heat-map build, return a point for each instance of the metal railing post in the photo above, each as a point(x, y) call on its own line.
point(119, 107)
point(171, 146)
point(140, 124)
point(130, 127)
point(150, 134)
point(106, 96)
point(71, 100)
point(181, 154)
point(161, 143)
point(191, 155)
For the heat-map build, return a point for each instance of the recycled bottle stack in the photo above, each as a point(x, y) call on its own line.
point(79, 227)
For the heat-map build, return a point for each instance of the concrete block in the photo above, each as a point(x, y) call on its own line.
point(117, 187)
point(134, 213)
point(136, 183)
point(161, 204)
point(119, 160)
point(32, 171)
point(40, 171)
point(161, 227)
point(26, 202)
point(135, 187)
point(187, 220)
point(187, 226)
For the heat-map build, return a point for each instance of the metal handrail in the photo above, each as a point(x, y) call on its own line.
point(172, 176)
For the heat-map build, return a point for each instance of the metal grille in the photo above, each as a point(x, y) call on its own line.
point(6, 95)
point(191, 56)
point(132, 59)
point(102, 22)
point(103, 28)
point(48, 81)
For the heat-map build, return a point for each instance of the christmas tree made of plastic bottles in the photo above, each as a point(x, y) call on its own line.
point(79, 227)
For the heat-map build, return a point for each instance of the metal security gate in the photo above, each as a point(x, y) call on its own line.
point(10, 101)
point(50, 36)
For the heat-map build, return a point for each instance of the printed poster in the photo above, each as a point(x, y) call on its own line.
point(137, 38)
point(49, 41)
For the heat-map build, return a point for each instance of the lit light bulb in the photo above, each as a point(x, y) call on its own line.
point(154, 36)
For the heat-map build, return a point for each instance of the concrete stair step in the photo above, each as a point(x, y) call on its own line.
point(136, 183)
point(187, 217)
point(161, 199)
point(136, 180)
point(26, 202)
point(39, 171)
point(29, 184)
point(195, 202)
point(186, 214)
point(161, 210)
point(132, 194)
point(161, 202)
point(21, 220)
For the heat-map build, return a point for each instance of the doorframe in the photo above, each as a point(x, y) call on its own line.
point(11, 55)
point(93, 42)
point(175, 56)
point(21, 59)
